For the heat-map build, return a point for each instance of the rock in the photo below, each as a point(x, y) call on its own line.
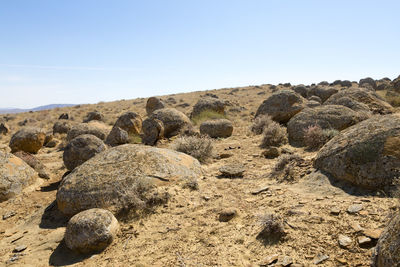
point(312, 104)
point(221, 128)
point(363, 240)
point(208, 104)
point(373, 233)
point(61, 127)
point(387, 250)
point(369, 81)
point(271, 152)
point(19, 248)
point(356, 227)
point(153, 130)
point(326, 116)
point(117, 137)
point(352, 104)
point(4, 128)
point(284, 261)
point(396, 84)
point(374, 102)
point(301, 90)
point(63, 116)
point(335, 211)
point(232, 170)
point(355, 208)
point(365, 154)
point(34, 163)
point(53, 143)
point(130, 122)
point(15, 175)
point(93, 116)
point(112, 179)
point(282, 105)
point(323, 92)
point(320, 258)
point(28, 139)
point(315, 98)
point(227, 215)
point(154, 103)
point(9, 215)
point(173, 120)
point(80, 149)
point(95, 128)
point(344, 241)
point(269, 260)
point(91, 231)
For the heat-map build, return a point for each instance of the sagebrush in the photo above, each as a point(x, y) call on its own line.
point(201, 148)
point(272, 227)
point(206, 115)
point(315, 137)
point(274, 135)
point(260, 123)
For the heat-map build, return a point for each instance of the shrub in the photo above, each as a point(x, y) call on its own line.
point(274, 135)
point(287, 167)
point(206, 115)
point(135, 139)
point(200, 148)
point(393, 99)
point(315, 137)
point(260, 123)
point(272, 227)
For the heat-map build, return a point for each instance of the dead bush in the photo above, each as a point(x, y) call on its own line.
point(274, 135)
point(287, 167)
point(315, 137)
point(272, 229)
point(260, 123)
point(201, 148)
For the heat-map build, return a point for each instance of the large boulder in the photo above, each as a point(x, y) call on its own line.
point(387, 250)
point(62, 127)
point(208, 104)
point(80, 149)
point(282, 105)
point(130, 122)
point(173, 120)
point(322, 92)
point(91, 231)
point(366, 154)
point(396, 84)
point(117, 137)
point(28, 139)
point(4, 128)
point(153, 130)
point(221, 128)
point(95, 128)
point(154, 103)
point(368, 81)
point(94, 116)
point(326, 116)
point(121, 177)
point(15, 175)
point(374, 102)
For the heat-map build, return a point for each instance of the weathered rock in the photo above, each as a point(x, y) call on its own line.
point(282, 105)
point(130, 122)
point(208, 104)
point(123, 177)
point(369, 81)
point(173, 120)
point(153, 130)
point(365, 154)
point(15, 175)
point(221, 128)
point(154, 103)
point(352, 104)
point(232, 170)
point(4, 128)
point(33, 162)
point(91, 231)
point(355, 208)
point(323, 92)
point(363, 240)
point(396, 84)
point(312, 104)
point(28, 139)
point(63, 116)
point(95, 128)
point(326, 116)
point(93, 116)
point(387, 250)
point(271, 152)
point(61, 127)
point(301, 90)
point(227, 214)
point(80, 149)
point(315, 98)
point(374, 102)
point(117, 137)
point(344, 241)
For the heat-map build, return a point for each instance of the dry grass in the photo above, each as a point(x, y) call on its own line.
point(207, 115)
point(315, 137)
point(274, 135)
point(201, 148)
point(272, 228)
point(260, 123)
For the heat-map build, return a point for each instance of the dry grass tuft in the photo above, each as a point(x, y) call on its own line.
point(207, 115)
point(272, 228)
point(274, 135)
point(201, 148)
point(260, 123)
point(315, 137)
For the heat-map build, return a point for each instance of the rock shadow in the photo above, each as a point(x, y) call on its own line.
point(53, 218)
point(63, 256)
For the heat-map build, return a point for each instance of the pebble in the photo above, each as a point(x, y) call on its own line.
point(355, 208)
point(232, 170)
point(19, 248)
point(269, 260)
point(320, 258)
point(373, 233)
point(9, 215)
point(335, 211)
point(344, 241)
point(363, 240)
point(356, 227)
point(227, 215)
point(284, 261)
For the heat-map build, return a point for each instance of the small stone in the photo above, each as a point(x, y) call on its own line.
point(363, 240)
point(284, 261)
point(224, 155)
point(19, 248)
point(320, 258)
point(335, 211)
point(9, 215)
point(356, 227)
point(344, 241)
point(227, 215)
point(271, 152)
point(341, 261)
point(260, 190)
point(355, 208)
point(269, 260)
point(373, 233)
point(232, 170)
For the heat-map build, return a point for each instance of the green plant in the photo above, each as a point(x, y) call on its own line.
point(206, 115)
point(200, 148)
point(135, 139)
point(274, 135)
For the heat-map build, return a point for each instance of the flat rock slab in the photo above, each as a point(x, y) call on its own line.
point(232, 170)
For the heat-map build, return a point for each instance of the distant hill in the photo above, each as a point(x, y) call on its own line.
point(19, 110)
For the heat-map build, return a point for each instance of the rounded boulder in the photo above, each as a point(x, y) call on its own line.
point(221, 128)
point(29, 139)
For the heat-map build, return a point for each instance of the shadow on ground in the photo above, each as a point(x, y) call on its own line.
point(52, 218)
point(63, 256)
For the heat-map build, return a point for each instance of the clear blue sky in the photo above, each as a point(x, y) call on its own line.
point(85, 51)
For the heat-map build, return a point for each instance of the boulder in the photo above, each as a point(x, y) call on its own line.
point(91, 231)
point(374, 102)
point(117, 137)
point(154, 103)
point(221, 128)
point(15, 175)
point(61, 127)
point(123, 177)
point(95, 128)
point(33, 162)
point(301, 90)
point(365, 154)
point(63, 116)
point(28, 139)
point(208, 104)
point(80, 149)
point(313, 104)
point(315, 98)
point(173, 120)
point(282, 105)
point(387, 250)
point(323, 92)
point(4, 128)
point(130, 122)
point(93, 116)
point(326, 116)
point(369, 81)
point(153, 130)
point(396, 84)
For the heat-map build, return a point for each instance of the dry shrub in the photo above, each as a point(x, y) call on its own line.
point(272, 228)
point(393, 98)
point(207, 115)
point(286, 167)
point(274, 135)
point(200, 148)
point(315, 137)
point(260, 123)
